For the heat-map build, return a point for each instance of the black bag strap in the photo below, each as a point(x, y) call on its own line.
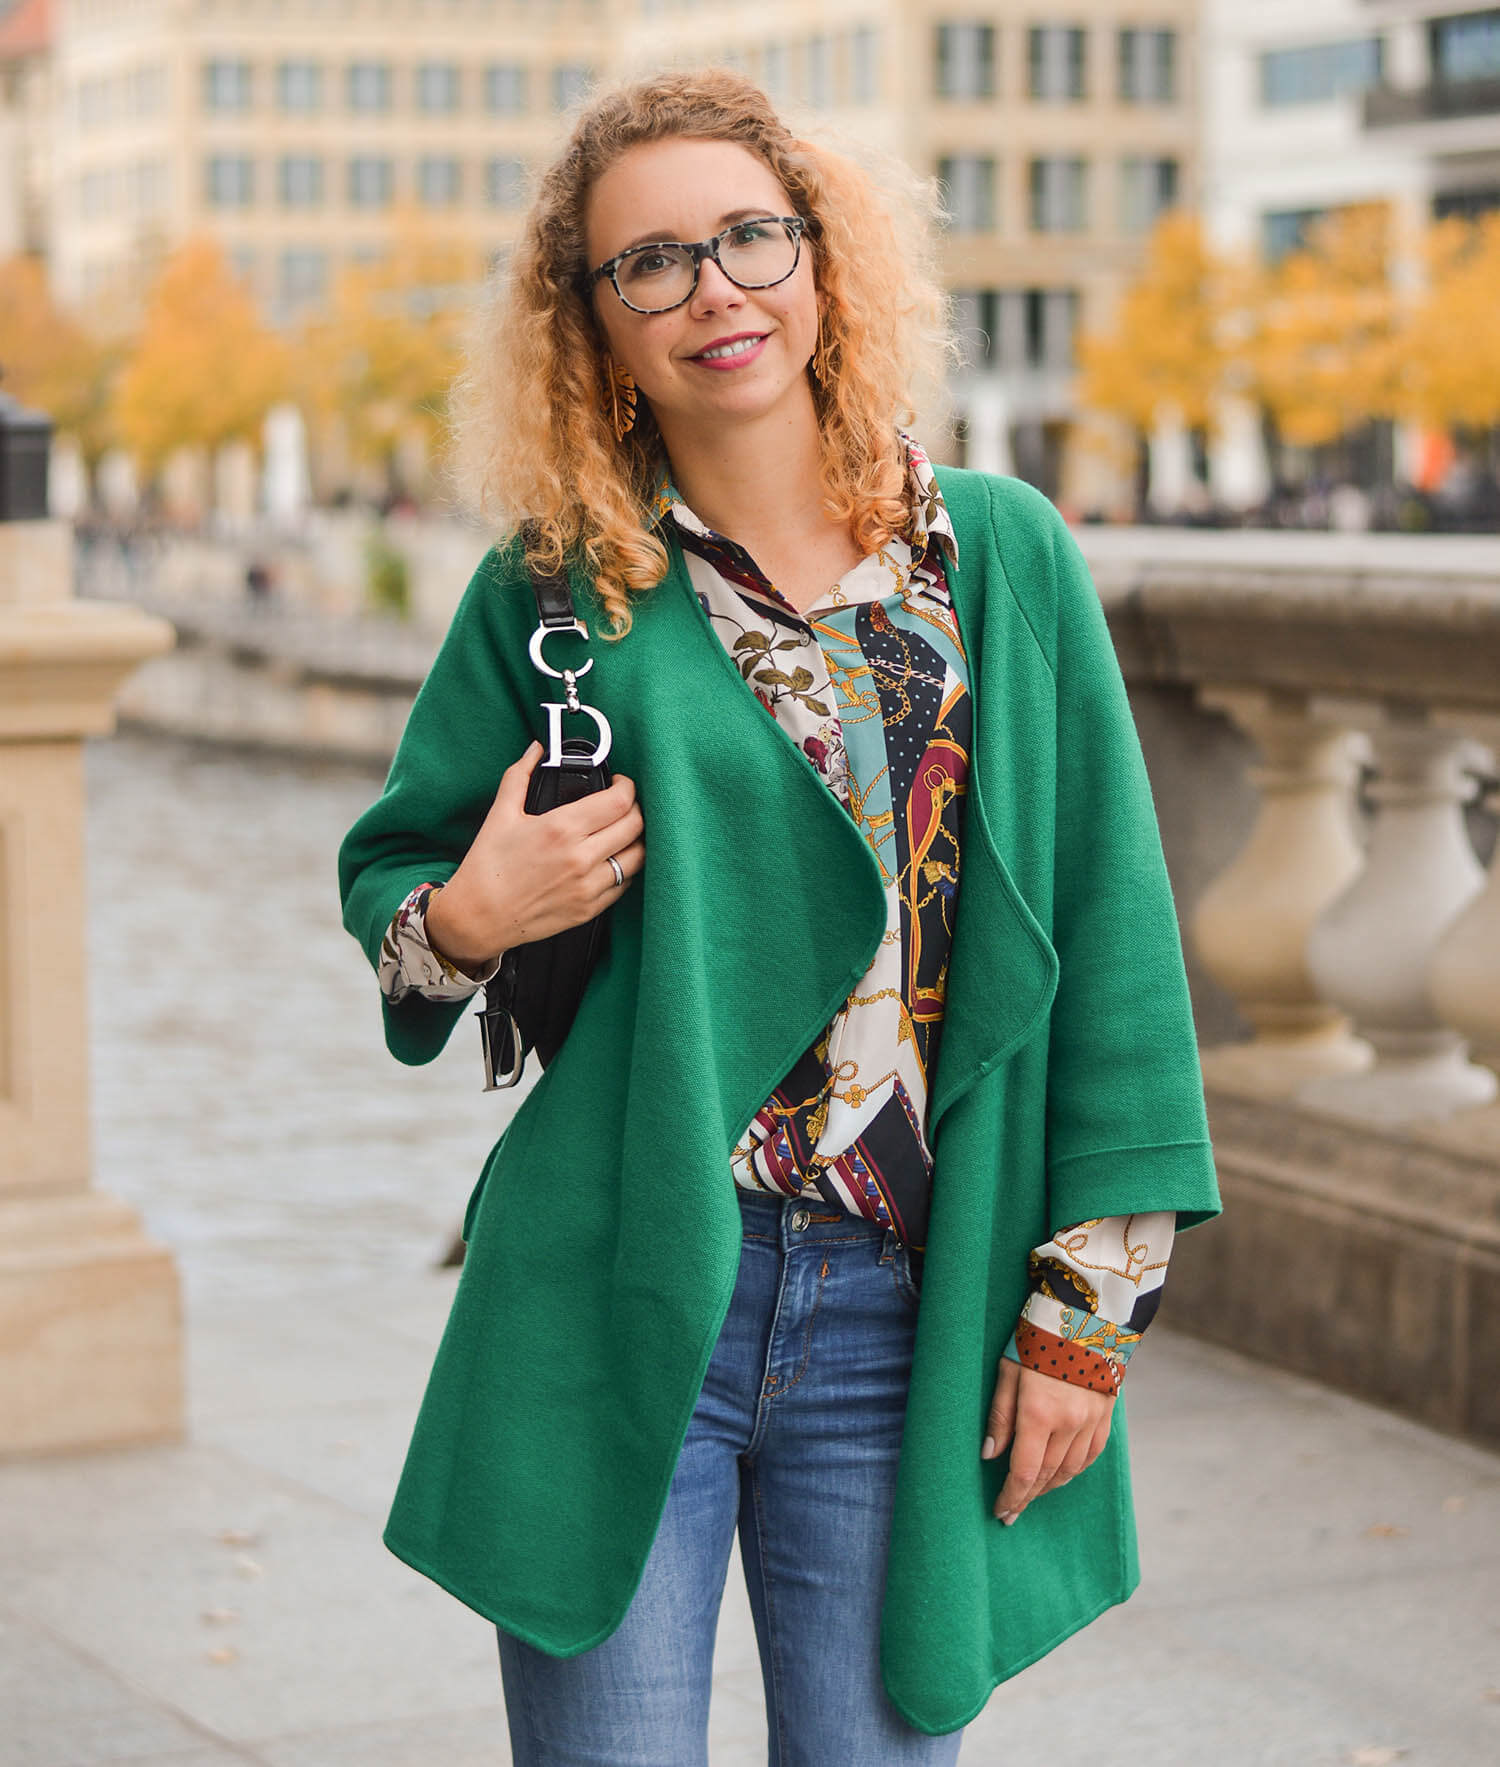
point(554, 593)
point(504, 1044)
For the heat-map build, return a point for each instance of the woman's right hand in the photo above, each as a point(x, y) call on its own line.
point(527, 877)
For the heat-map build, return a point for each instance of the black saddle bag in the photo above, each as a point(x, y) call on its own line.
point(532, 999)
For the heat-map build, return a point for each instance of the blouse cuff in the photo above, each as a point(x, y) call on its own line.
point(410, 965)
point(1094, 1289)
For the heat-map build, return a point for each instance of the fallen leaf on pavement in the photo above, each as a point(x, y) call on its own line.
point(1455, 1505)
point(226, 1654)
point(220, 1616)
point(1385, 1531)
point(247, 1567)
point(237, 1537)
point(1376, 1755)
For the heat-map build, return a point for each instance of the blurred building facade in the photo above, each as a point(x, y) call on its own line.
point(26, 89)
point(297, 133)
point(1311, 106)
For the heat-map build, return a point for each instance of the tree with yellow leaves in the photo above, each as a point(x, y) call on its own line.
point(380, 362)
point(1450, 344)
point(1324, 351)
point(204, 370)
point(49, 361)
point(1171, 344)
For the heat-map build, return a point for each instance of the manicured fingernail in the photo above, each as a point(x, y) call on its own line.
point(1008, 1519)
point(987, 1452)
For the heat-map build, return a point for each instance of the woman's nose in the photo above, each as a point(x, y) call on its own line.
point(715, 291)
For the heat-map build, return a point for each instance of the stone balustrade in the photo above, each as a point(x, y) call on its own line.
point(1356, 928)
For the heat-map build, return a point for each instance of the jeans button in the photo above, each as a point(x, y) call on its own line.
point(799, 1220)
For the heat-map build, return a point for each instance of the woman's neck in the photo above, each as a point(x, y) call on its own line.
point(751, 481)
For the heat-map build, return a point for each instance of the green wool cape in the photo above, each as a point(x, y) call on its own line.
point(604, 1234)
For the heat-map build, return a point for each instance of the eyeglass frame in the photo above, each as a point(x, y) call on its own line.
point(796, 225)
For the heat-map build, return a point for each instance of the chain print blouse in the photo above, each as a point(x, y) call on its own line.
point(871, 684)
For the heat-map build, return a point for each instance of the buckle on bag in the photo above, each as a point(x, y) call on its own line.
point(570, 702)
point(501, 1037)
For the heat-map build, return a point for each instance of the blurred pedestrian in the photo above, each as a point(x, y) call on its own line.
point(257, 585)
point(839, 1212)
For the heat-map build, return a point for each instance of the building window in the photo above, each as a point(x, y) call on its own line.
point(1148, 67)
point(1051, 328)
point(96, 193)
point(1468, 204)
point(1055, 62)
point(1319, 72)
point(569, 83)
point(299, 87)
point(437, 87)
point(968, 181)
point(226, 85)
point(1466, 48)
point(505, 182)
point(1059, 195)
point(229, 181)
point(369, 86)
point(300, 178)
point(864, 65)
point(95, 103)
point(1148, 187)
point(774, 73)
point(505, 89)
point(148, 90)
point(819, 72)
point(976, 325)
point(965, 60)
point(1287, 230)
point(371, 181)
point(437, 180)
point(304, 275)
point(148, 187)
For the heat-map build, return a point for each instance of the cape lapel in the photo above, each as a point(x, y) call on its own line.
point(1002, 973)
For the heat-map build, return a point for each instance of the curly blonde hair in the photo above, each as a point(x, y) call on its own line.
point(531, 441)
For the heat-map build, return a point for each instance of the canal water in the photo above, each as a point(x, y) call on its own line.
point(243, 1098)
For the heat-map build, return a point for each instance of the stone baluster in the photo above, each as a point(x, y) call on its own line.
point(1251, 925)
point(1464, 978)
point(1372, 951)
point(90, 1332)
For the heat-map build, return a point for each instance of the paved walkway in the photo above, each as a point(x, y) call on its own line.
point(1320, 1578)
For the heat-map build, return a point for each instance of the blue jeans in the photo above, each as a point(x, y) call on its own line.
point(794, 1441)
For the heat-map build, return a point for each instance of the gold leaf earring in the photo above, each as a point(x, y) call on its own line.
point(822, 360)
point(620, 395)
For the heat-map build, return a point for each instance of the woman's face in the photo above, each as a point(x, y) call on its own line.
point(688, 189)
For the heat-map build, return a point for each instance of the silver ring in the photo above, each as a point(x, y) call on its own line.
point(614, 865)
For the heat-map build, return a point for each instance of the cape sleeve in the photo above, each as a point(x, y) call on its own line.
point(471, 719)
point(1127, 1131)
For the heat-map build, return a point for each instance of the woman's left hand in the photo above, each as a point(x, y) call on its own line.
point(1059, 1428)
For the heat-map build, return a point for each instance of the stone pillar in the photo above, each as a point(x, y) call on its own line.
point(1372, 951)
point(90, 1330)
point(1463, 980)
point(1251, 925)
point(1171, 465)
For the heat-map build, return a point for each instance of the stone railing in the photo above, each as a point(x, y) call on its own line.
point(1351, 919)
point(1369, 969)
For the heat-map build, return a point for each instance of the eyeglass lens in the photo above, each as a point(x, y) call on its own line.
point(755, 254)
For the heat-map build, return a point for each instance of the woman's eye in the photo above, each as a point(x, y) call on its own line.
point(750, 232)
point(647, 264)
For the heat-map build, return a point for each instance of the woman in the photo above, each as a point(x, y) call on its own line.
point(838, 1213)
